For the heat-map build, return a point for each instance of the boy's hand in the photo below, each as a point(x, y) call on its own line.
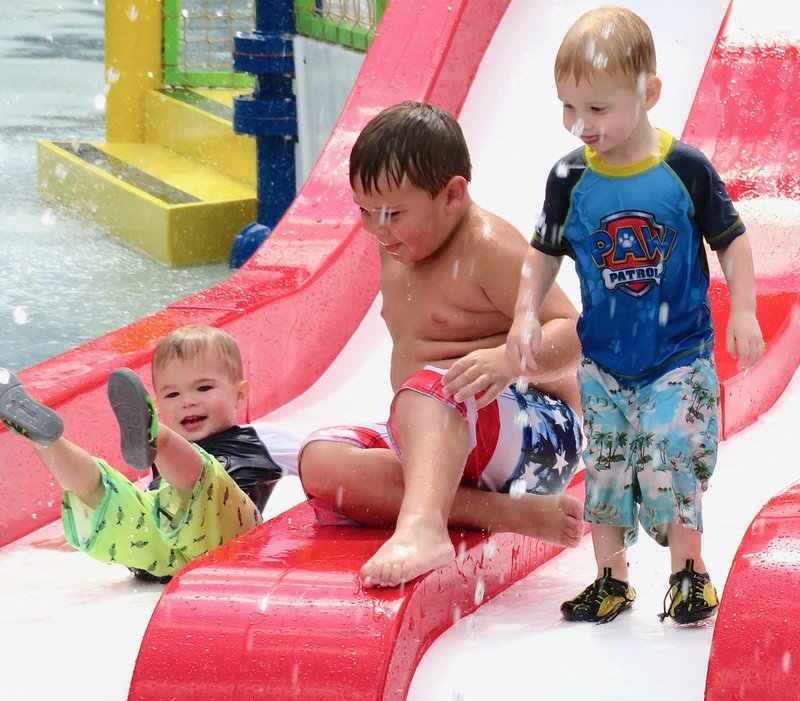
point(743, 339)
point(484, 370)
point(522, 344)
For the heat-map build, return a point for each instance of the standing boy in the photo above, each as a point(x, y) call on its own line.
point(459, 438)
point(632, 207)
point(214, 475)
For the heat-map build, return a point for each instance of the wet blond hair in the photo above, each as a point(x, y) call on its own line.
point(188, 343)
point(609, 39)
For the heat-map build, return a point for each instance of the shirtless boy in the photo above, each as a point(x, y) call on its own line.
point(455, 449)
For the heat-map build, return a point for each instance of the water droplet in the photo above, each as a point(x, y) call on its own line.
point(517, 489)
point(577, 128)
point(20, 315)
point(480, 591)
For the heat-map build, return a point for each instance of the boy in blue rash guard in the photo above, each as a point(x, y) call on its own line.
point(632, 208)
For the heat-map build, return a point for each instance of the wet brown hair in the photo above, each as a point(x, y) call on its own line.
point(413, 140)
point(188, 343)
point(609, 38)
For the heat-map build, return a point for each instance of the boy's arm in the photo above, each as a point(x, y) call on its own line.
point(524, 341)
point(743, 338)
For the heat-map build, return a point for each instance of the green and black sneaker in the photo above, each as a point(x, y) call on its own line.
point(602, 601)
point(137, 418)
point(24, 415)
point(692, 597)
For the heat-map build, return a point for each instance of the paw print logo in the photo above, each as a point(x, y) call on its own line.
point(625, 239)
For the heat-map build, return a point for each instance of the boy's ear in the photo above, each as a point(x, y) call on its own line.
point(455, 192)
point(652, 91)
point(242, 394)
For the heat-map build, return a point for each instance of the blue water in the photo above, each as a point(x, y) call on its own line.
point(63, 280)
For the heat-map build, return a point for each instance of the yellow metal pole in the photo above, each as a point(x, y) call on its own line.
point(133, 64)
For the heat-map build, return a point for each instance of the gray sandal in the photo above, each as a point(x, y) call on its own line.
point(24, 415)
point(137, 418)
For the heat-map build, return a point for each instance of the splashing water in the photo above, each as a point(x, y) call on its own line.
point(663, 314)
point(641, 83)
point(19, 315)
point(480, 591)
point(517, 489)
point(591, 50)
point(600, 61)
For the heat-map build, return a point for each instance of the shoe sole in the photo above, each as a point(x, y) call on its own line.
point(128, 399)
point(695, 616)
point(30, 418)
point(577, 618)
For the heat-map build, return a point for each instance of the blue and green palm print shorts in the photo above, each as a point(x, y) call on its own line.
point(651, 449)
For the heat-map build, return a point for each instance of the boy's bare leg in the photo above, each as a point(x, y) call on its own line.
point(685, 544)
point(610, 551)
point(178, 461)
point(345, 476)
point(74, 469)
point(433, 440)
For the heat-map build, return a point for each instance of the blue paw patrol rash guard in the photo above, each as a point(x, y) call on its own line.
point(636, 234)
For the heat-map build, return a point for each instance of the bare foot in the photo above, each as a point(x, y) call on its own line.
point(404, 557)
point(58, 542)
point(556, 519)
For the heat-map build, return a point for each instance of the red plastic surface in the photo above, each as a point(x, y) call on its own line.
point(746, 118)
point(280, 614)
point(755, 651)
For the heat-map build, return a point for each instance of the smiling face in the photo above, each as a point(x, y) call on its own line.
point(610, 116)
point(405, 220)
point(198, 397)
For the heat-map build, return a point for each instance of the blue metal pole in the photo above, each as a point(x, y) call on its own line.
point(269, 114)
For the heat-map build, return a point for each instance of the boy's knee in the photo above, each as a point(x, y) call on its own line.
point(314, 467)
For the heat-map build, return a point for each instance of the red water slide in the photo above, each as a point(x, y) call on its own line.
point(747, 114)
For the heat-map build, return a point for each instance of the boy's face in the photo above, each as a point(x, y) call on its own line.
point(198, 398)
point(404, 219)
point(607, 114)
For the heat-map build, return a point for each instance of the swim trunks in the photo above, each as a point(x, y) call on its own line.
point(158, 531)
point(521, 441)
point(650, 449)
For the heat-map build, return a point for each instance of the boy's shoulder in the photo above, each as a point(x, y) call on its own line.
point(682, 153)
point(485, 229)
